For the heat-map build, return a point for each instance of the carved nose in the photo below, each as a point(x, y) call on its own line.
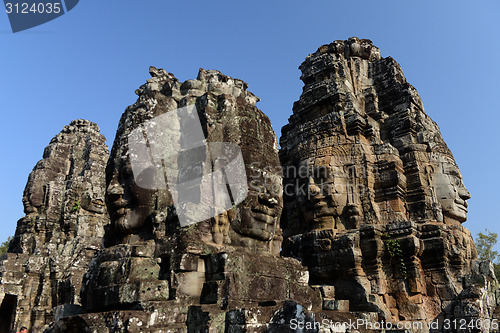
point(464, 193)
point(313, 190)
point(114, 188)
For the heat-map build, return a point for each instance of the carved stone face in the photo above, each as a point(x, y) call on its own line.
point(260, 211)
point(128, 204)
point(326, 194)
point(227, 114)
point(315, 196)
point(255, 221)
point(28, 207)
point(450, 189)
point(258, 215)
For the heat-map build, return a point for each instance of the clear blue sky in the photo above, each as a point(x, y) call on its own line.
point(87, 64)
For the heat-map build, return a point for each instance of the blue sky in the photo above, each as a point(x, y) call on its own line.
point(87, 64)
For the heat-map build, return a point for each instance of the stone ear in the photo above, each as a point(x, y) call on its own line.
point(429, 169)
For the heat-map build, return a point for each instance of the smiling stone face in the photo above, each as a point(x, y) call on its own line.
point(253, 223)
point(220, 136)
point(227, 114)
point(129, 204)
point(369, 157)
point(259, 213)
point(450, 189)
point(316, 196)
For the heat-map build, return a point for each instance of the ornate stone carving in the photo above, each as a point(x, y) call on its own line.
point(374, 200)
point(62, 230)
point(219, 264)
point(228, 114)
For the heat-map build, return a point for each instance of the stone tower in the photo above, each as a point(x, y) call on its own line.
point(62, 231)
point(374, 201)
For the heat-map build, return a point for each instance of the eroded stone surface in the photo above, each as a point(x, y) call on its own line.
point(204, 270)
point(228, 114)
point(372, 220)
point(62, 230)
point(374, 200)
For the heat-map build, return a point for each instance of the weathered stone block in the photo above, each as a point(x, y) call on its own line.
point(189, 262)
point(336, 305)
point(189, 283)
point(474, 279)
point(326, 291)
point(143, 269)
